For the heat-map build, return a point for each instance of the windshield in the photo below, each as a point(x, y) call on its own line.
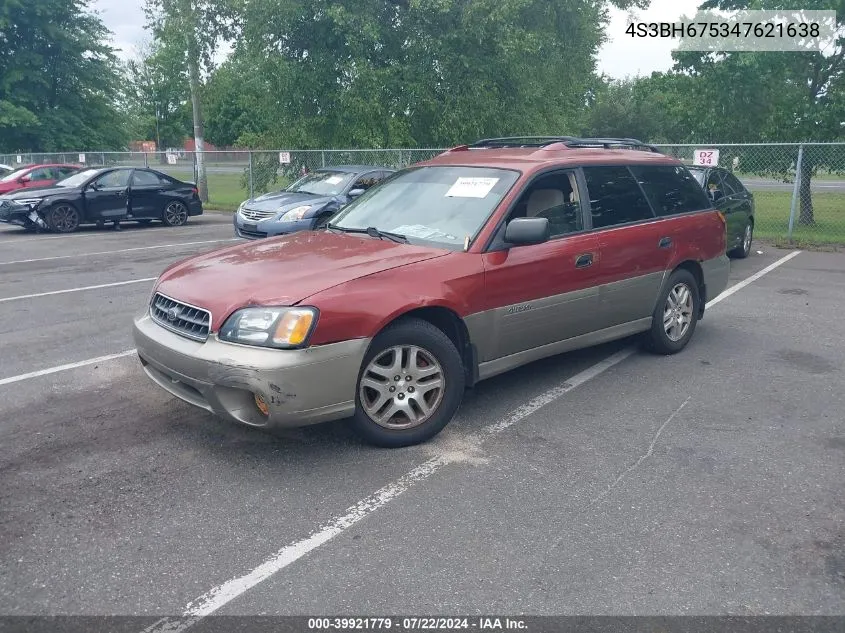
point(78, 178)
point(322, 183)
point(14, 175)
point(440, 205)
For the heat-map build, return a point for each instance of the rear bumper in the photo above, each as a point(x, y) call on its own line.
point(195, 207)
point(301, 387)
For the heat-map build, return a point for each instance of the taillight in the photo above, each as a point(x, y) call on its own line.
point(722, 218)
point(197, 192)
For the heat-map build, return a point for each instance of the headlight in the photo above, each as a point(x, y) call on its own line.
point(296, 214)
point(30, 202)
point(241, 206)
point(283, 328)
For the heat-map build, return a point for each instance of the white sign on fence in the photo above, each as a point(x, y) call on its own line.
point(706, 157)
point(284, 158)
point(171, 159)
point(19, 159)
point(82, 158)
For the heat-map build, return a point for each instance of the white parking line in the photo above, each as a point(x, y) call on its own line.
point(78, 236)
point(53, 370)
point(123, 250)
point(80, 289)
point(221, 595)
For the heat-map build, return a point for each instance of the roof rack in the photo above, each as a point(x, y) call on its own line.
point(568, 141)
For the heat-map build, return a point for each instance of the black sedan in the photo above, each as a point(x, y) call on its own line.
point(95, 196)
point(308, 203)
point(731, 197)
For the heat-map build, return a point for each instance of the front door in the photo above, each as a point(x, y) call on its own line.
point(543, 293)
point(107, 197)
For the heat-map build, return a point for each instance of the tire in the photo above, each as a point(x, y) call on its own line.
point(63, 217)
point(385, 418)
point(670, 337)
point(175, 214)
point(741, 252)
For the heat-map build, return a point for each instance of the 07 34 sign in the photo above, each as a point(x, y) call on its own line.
point(706, 157)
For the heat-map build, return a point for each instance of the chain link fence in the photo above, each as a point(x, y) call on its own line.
point(799, 189)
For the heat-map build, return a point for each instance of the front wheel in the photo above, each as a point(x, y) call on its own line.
point(63, 218)
point(175, 214)
point(410, 385)
point(676, 314)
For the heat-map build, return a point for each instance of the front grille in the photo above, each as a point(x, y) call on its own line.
point(251, 234)
point(180, 318)
point(253, 214)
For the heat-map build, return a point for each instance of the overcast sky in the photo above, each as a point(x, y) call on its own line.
point(620, 57)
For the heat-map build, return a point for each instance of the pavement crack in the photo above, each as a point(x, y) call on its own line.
point(642, 457)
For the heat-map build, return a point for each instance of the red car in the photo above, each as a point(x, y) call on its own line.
point(480, 260)
point(35, 176)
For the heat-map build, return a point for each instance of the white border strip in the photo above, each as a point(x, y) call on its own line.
point(123, 250)
point(61, 292)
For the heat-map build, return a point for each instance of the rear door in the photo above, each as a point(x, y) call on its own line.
point(146, 194)
point(543, 293)
point(107, 197)
point(634, 250)
point(41, 177)
point(740, 209)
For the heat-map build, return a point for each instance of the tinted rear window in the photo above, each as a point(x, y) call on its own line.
point(671, 189)
point(615, 197)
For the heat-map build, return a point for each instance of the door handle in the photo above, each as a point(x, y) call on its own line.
point(665, 242)
point(584, 261)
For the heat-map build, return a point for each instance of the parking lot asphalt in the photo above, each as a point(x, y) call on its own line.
point(705, 483)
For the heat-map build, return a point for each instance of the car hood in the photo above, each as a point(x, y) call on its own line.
point(282, 271)
point(279, 200)
point(35, 192)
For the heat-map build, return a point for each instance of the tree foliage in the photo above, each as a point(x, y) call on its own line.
point(58, 78)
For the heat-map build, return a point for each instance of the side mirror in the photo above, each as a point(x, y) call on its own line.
point(354, 193)
point(525, 231)
point(24, 179)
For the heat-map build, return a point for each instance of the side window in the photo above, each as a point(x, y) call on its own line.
point(64, 172)
point(43, 173)
point(114, 179)
point(615, 197)
point(367, 180)
point(554, 197)
point(671, 190)
point(143, 178)
point(733, 183)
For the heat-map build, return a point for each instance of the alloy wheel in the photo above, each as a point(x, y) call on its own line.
point(677, 313)
point(402, 387)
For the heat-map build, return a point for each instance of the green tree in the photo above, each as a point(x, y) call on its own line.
point(195, 29)
point(58, 78)
point(157, 97)
point(770, 96)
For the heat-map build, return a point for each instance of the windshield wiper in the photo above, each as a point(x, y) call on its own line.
point(371, 231)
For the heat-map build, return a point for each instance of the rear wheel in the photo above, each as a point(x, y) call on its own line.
point(63, 218)
point(175, 214)
point(676, 314)
point(410, 385)
point(744, 250)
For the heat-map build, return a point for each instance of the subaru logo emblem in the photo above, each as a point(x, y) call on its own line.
point(173, 314)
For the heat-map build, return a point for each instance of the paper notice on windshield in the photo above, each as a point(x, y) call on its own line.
point(334, 180)
point(421, 231)
point(467, 187)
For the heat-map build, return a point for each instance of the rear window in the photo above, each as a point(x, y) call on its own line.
point(671, 189)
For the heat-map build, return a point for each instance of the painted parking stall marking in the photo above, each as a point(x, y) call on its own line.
point(80, 289)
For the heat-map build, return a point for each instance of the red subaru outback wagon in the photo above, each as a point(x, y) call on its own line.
point(451, 271)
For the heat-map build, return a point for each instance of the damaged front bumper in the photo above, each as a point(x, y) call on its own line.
point(299, 387)
point(12, 212)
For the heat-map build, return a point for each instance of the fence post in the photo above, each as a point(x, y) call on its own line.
point(251, 181)
point(323, 158)
point(146, 160)
point(795, 191)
